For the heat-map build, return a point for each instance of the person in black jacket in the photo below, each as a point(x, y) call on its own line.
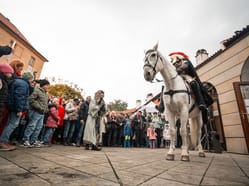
point(18, 102)
point(138, 124)
point(111, 131)
point(4, 81)
point(83, 113)
point(186, 69)
point(6, 72)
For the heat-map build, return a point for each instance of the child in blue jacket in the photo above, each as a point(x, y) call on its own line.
point(127, 133)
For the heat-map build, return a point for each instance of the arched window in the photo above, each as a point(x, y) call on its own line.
point(245, 71)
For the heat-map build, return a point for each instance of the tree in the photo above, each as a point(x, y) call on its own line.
point(65, 91)
point(117, 105)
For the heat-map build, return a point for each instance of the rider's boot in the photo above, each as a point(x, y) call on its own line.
point(197, 92)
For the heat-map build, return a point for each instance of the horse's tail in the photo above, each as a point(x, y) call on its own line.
point(193, 132)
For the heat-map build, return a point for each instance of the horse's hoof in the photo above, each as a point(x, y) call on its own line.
point(202, 154)
point(185, 158)
point(170, 157)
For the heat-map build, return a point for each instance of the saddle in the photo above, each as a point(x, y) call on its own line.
point(207, 98)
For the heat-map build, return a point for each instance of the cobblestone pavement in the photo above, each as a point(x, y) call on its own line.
point(67, 165)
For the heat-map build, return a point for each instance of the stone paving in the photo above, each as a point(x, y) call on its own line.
point(67, 165)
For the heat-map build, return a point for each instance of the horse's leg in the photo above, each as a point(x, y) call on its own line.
point(171, 119)
point(193, 133)
point(199, 145)
point(183, 132)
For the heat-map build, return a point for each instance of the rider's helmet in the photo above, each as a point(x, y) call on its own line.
point(177, 58)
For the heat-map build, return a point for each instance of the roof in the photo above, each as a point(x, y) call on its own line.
point(12, 28)
point(238, 36)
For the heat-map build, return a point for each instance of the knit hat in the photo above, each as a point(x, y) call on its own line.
point(6, 68)
point(43, 82)
point(28, 75)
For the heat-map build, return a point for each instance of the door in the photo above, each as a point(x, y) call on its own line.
point(215, 126)
point(242, 95)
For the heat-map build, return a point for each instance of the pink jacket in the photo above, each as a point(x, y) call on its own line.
point(53, 118)
point(151, 133)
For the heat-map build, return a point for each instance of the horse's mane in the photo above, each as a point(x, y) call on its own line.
point(150, 50)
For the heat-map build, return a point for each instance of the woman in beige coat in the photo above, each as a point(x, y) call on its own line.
point(94, 124)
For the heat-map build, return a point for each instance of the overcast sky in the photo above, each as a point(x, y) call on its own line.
point(99, 44)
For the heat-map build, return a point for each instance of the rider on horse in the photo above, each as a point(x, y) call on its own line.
point(185, 68)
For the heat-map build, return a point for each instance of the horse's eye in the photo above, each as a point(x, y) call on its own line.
point(153, 55)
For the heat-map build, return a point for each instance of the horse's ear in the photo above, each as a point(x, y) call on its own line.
point(155, 47)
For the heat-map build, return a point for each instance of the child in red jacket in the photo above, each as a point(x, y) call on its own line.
point(58, 133)
point(51, 123)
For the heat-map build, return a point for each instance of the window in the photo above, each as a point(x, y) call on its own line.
point(31, 61)
point(31, 64)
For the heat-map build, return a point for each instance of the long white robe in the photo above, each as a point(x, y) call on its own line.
point(90, 136)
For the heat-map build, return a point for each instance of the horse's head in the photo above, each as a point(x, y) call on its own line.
point(152, 64)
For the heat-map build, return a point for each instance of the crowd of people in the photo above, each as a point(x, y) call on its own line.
point(21, 98)
point(35, 121)
point(136, 130)
point(32, 119)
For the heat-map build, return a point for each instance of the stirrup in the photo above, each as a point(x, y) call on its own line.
point(203, 107)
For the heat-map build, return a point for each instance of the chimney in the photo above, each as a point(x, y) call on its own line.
point(138, 103)
point(201, 55)
point(222, 45)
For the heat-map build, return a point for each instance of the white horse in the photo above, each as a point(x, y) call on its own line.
point(178, 102)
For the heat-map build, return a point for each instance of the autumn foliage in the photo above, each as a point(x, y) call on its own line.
point(65, 91)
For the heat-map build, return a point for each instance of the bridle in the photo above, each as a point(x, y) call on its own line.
point(147, 62)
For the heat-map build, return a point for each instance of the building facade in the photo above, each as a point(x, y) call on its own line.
point(21, 48)
point(226, 75)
